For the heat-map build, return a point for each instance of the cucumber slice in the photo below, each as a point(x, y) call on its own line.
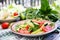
point(22, 16)
point(35, 32)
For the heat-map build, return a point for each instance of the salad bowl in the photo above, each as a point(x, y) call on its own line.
point(13, 28)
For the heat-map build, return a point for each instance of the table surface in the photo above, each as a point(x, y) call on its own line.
point(8, 35)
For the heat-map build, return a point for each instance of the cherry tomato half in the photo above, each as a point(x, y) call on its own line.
point(27, 27)
point(15, 13)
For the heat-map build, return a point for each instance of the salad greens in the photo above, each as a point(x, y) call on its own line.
point(35, 27)
point(45, 5)
point(31, 13)
point(45, 12)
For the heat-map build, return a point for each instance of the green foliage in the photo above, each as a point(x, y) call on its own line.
point(45, 12)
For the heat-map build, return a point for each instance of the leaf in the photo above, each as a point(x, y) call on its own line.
point(45, 5)
point(54, 12)
point(36, 26)
point(53, 18)
point(46, 12)
point(30, 29)
point(31, 13)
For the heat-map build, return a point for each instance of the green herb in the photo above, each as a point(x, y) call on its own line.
point(45, 6)
point(36, 26)
point(30, 13)
point(46, 12)
point(30, 29)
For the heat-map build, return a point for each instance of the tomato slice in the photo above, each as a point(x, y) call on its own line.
point(41, 23)
point(15, 13)
point(21, 31)
point(26, 32)
point(44, 29)
point(27, 27)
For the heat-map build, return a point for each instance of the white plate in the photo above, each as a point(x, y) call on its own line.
point(31, 35)
point(10, 20)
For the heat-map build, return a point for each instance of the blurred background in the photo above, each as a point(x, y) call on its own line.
point(26, 3)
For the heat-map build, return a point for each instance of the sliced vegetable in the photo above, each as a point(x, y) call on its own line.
point(22, 16)
point(27, 27)
point(36, 26)
point(26, 32)
point(44, 29)
point(30, 24)
point(47, 28)
point(23, 31)
point(35, 32)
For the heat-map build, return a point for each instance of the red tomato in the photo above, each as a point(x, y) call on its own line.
point(27, 27)
point(15, 13)
point(5, 25)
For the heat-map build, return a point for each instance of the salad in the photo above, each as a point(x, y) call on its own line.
point(11, 11)
point(34, 27)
